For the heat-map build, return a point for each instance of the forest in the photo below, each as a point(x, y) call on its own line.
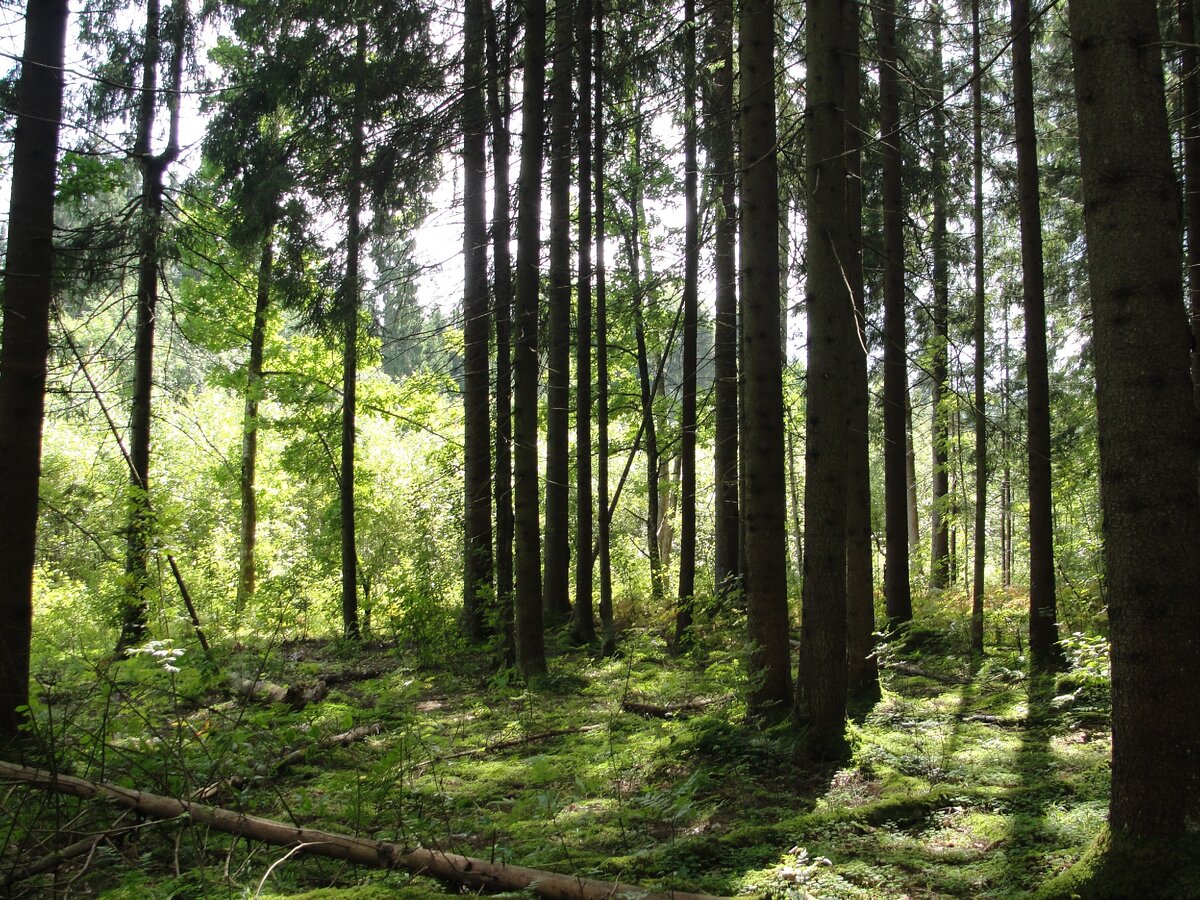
point(592, 449)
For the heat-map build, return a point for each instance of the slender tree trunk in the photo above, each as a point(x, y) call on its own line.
point(1147, 424)
point(607, 627)
point(895, 343)
point(351, 290)
point(720, 132)
point(795, 496)
point(980, 338)
point(135, 612)
point(1006, 536)
point(530, 642)
point(556, 602)
point(863, 673)
point(691, 277)
point(911, 505)
point(1043, 629)
point(477, 426)
point(1189, 60)
point(28, 291)
point(764, 510)
point(583, 627)
point(499, 59)
point(939, 551)
point(822, 678)
point(250, 425)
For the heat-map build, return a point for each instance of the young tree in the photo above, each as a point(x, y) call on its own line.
point(25, 344)
point(762, 412)
point(527, 601)
point(1189, 77)
point(980, 326)
point(821, 682)
point(1043, 617)
point(1148, 444)
point(477, 482)
point(895, 343)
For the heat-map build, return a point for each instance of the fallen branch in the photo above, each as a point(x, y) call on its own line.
point(909, 669)
point(261, 689)
point(476, 874)
point(506, 745)
point(672, 710)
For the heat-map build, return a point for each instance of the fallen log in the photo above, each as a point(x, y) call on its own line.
point(464, 871)
point(904, 668)
point(497, 746)
point(672, 710)
point(261, 689)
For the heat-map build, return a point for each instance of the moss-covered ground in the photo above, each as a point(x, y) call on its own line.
point(964, 780)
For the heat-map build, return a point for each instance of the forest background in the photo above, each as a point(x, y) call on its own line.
point(791, 417)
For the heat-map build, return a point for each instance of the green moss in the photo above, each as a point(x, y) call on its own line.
point(1120, 866)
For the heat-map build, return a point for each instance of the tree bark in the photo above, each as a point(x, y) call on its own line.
point(25, 346)
point(862, 674)
point(1043, 617)
point(527, 603)
point(1189, 60)
point(895, 343)
point(247, 577)
point(499, 103)
point(136, 607)
point(477, 462)
point(822, 678)
point(477, 875)
point(1147, 423)
point(764, 511)
point(980, 338)
point(583, 627)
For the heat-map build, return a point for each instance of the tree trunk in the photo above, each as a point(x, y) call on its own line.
point(607, 626)
point(939, 550)
point(499, 103)
point(912, 506)
point(250, 424)
point(980, 335)
point(862, 682)
point(762, 412)
point(895, 343)
point(583, 627)
point(821, 682)
point(1147, 423)
point(1006, 563)
point(25, 346)
point(477, 462)
point(350, 300)
point(530, 642)
point(1189, 60)
point(136, 607)
point(720, 141)
point(1043, 629)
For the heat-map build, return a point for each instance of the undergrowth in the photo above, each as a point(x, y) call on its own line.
point(965, 780)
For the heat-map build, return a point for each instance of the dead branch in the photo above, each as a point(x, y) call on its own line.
point(497, 746)
point(909, 669)
point(261, 689)
point(451, 868)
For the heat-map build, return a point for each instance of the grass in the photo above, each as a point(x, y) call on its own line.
point(986, 786)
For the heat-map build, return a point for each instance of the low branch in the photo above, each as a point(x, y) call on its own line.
point(451, 868)
point(672, 710)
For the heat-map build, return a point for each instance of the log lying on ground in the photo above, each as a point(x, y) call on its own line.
point(904, 668)
point(466, 871)
point(497, 746)
point(672, 710)
point(261, 689)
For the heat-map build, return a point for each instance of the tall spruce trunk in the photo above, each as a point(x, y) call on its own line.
point(895, 343)
point(499, 109)
point(939, 550)
point(247, 576)
point(556, 562)
point(862, 681)
point(1147, 424)
point(136, 606)
point(477, 461)
point(527, 601)
point(821, 681)
point(608, 639)
point(25, 346)
point(722, 166)
point(583, 627)
point(980, 337)
point(764, 512)
point(1189, 78)
point(1044, 651)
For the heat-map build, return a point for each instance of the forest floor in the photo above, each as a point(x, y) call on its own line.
point(963, 780)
